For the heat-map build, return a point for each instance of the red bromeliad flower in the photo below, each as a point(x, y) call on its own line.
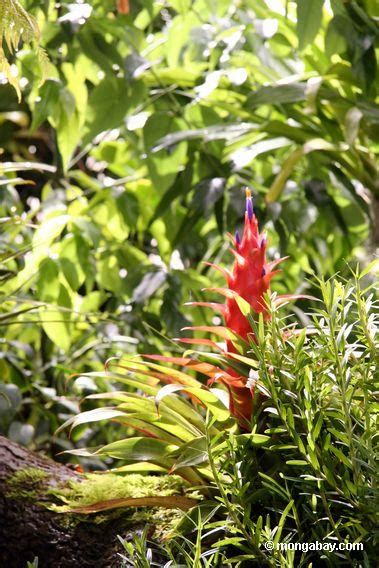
point(249, 279)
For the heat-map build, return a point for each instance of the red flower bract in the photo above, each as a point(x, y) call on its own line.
point(250, 279)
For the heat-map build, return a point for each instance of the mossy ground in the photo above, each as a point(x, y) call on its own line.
point(105, 486)
point(27, 483)
point(102, 487)
point(32, 484)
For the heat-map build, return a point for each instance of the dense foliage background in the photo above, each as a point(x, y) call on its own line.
point(123, 170)
point(128, 132)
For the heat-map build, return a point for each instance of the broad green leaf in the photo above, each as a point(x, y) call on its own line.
point(192, 453)
point(163, 165)
point(139, 449)
point(108, 105)
point(259, 439)
point(45, 234)
point(57, 322)
point(74, 260)
point(47, 102)
point(309, 17)
point(209, 399)
point(181, 6)
point(92, 416)
point(277, 94)
point(334, 41)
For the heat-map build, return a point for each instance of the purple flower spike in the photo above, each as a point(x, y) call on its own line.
point(263, 242)
point(238, 238)
point(263, 272)
point(249, 204)
point(249, 208)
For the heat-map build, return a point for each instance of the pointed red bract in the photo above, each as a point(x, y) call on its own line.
point(249, 279)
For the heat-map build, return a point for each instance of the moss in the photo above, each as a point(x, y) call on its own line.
point(27, 483)
point(163, 520)
point(30, 483)
point(102, 487)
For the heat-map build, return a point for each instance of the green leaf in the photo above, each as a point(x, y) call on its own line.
point(334, 41)
point(373, 267)
point(309, 17)
point(279, 182)
point(45, 234)
point(259, 439)
point(56, 322)
point(128, 206)
point(68, 127)
point(192, 453)
point(46, 103)
point(91, 416)
point(352, 121)
point(282, 519)
point(74, 260)
point(209, 399)
point(164, 165)
point(279, 94)
point(108, 105)
point(181, 6)
point(139, 449)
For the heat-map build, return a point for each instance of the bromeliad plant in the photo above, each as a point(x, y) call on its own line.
point(248, 286)
point(174, 426)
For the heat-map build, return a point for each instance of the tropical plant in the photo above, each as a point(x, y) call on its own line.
point(248, 285)
point(305, 384)
point(304, 477)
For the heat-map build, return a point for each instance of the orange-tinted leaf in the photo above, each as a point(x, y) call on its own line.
point(193, 364)
point(222, 291)
point(219, 330)
point(169, 502)
point(123, 6)
point(199, 341)
point(273, 263)
point(212, 305)
point(224, 271)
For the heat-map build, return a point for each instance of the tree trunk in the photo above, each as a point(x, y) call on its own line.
point(28, 529)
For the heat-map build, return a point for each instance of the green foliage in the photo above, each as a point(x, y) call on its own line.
point(118, 177)
point(120, 172)
point(17, 25)
point(176, 426)
point(139, 555)
point(306, 471)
